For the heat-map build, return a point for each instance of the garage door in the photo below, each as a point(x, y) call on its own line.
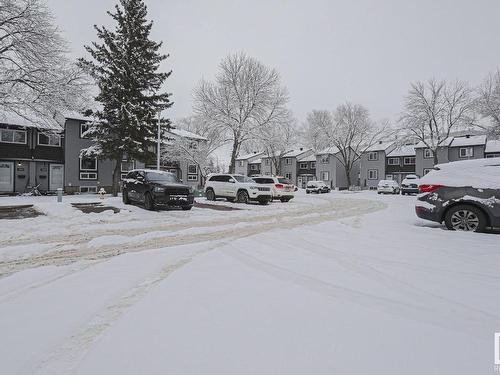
point(6, 176)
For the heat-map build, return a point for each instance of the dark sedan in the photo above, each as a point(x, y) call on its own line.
point(156, 188)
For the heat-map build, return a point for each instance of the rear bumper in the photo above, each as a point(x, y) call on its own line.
point(427, 214)
point(410, 190)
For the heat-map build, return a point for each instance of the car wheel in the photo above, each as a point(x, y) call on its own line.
point(149, 203)
point(125, 198)
point(378, 192)
point(465, 217)
point(307, 191)
point(187, 208)
point(284, 200)
point(402, 193)
point(210, 195)
point(242, 196)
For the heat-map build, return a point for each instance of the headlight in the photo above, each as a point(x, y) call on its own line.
point(159, 189)
point(254, 187)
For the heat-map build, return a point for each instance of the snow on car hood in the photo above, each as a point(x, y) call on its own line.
point(479, 173)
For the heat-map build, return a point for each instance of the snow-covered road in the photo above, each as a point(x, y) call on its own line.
point(344, 283)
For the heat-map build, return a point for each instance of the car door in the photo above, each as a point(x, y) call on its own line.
point(216, 184)
point(230, 187)
point(140, 186)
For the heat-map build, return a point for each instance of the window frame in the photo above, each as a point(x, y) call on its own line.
point(48, 137)
point(323, 176)
point(376, 174)
point(325, 159)
point(88, 187)
point(303, 165)
point(426, 169)
point(195, 169)
point(82, 124)
point(13, 131)
point(371, 153)
point(390, 161)
point(288, 176)
point(466, 149)
point(428, 154)
point(288, 161)
point(192, 177)
point(254, 167)
point(313, 165)
point(409, 157)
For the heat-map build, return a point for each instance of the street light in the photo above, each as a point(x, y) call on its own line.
point(158, 142)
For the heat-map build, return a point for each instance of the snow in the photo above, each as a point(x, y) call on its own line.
point(344, 283)
point(308, 158)
point(406, 150)
point(475, 140)
point(11, 118)
point(186, 134)
point(249, 156)
point(380, 146)
point(446, 142)
point(330, 150)
point(296, 152)
point(478, 173)
point(492, 145)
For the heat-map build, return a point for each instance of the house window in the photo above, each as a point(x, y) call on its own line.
point(303, 166)
point(427, 170)
point(87, 165)
point(313, 165)
point(268, 173)
point(126, 167)
point(288, 161)
point(373, 155)
point(493, 156)
point(83, 128)
point(192, 177)
point(49, 140)
point(372, 174)
point(389, 177)
point(466, 152)
point(428, 153)
point(393, 161)
point(288, 176)
point(242, 163)
point(254, 167)
point(325, 176)
point(88, 189)
point(267, 162)
point(325, 159)
point(409, 160)
point(13, 136)
point(192, 169)
point(193, 145)
point(88, 176)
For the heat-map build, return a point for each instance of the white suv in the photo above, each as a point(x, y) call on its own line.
point(236, 187)
point(282, 188)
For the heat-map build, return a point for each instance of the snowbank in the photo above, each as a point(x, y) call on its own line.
point(479, 173)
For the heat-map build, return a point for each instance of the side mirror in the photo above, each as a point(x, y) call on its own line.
point(232, 181)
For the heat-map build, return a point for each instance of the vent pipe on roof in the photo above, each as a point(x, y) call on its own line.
point(379, 142)
point(301, 148)
point(467, 136)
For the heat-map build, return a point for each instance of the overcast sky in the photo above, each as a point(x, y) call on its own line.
point(327, 51)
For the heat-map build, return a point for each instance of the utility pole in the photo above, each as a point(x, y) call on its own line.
point(158, 148)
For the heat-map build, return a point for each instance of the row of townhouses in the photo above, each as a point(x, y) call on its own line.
point(383, 160)
point(32, 154)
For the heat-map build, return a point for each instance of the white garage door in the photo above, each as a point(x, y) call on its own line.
point(6, 176)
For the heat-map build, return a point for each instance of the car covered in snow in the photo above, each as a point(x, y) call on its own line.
point(156, 188)
point(236, 187)
point(282, 188)
point(409, 185)
point(317, 187)
point(387, 187)
point(465, 195)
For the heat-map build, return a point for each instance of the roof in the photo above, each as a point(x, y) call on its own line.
point(186, 134)
point(475, 140)
point(256, 161)
point(492, 145)
point(74, 115)
point(311, 157)
point(445, 143)
point(249, 156)
point(330, 150)
point(296, 152)
point(380, 146)
point(11, 118)
point(406, 150)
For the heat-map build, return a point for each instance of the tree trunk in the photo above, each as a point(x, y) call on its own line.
point(234, 154)
point(435, 156)
point(116, 176)
point(348, 175)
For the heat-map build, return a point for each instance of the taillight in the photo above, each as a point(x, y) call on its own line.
point(428, 188)
point(278, 186)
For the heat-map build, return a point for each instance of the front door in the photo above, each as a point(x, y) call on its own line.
point(56, 177)
point(7, 176)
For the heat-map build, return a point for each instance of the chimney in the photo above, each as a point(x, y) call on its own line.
point(379, 142)
point(301, 149)
point(467, 136)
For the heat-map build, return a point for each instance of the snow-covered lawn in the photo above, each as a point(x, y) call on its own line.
point(340, 283)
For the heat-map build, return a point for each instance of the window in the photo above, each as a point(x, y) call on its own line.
point(49, 139)
point(389, 177)
point(325, 159)
point(313, 165)
point(88, 176)
point(254, 167)
point(126, 167)
point(393, 161)
point(268, 173)
point(193, 145)
point(409, 160)
point(192, 169)
point(466, 152)
point(88, 189)
point(428, 153)
point(288, 176)
point(192, 177)
point(267, 162)
point(493, 156)
point(373, 155)
point(242, 163)
point(83, 128)
point(303, 165)
point(88, 164)
point(13, 136)
point(372, 174)
point(288, 161)
point(325, 176)
point(427, 170)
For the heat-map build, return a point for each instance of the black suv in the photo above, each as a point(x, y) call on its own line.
point(465, 195)
point(156, 188)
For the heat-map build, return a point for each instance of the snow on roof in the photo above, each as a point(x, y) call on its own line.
point(406, 150)
point(296, 152)
point(77, 116)
point(311, 157)
point(492, 145)
point(10, 118)
point(477, 173)
point(256, 161)
point(249, 156)
point(330, 150)
point(380, 146)
point(445, 143)
point(475, 140)
point(186, 134)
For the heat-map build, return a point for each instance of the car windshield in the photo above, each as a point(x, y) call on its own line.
point(243, 179)
point(161, 177)
point(285, 181)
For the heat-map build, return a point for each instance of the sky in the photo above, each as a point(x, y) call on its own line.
point(327, 51)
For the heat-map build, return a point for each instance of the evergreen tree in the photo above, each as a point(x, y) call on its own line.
point(125, 67)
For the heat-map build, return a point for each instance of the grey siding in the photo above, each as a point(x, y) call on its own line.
point(454, 153)
point(241, 169)
point(422, 163)
point(367, 165)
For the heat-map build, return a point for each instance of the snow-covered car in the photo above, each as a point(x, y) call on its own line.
point(235, 187)
point(409, 185)
point(387, 187)
point(317, 187)
point(465, 195)
point(282, 188)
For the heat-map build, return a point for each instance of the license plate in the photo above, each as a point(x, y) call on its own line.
point(179, 197)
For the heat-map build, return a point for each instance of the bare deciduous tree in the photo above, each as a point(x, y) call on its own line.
point(36, 77)
point(434, 110)
point(350, 130)
point(488, 102)
point(313, 129)
point(245, 97)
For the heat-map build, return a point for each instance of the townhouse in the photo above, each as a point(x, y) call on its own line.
point(492, 149)
point(373, 164)
point(249, 164)
point(330, 169)
point(306, 169)
point(400, 162)
point(290, 167)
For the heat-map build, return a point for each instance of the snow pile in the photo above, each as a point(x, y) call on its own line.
point(479, 173)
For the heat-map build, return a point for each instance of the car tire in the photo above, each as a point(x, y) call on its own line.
point(307, 191)
point(149, 203)
point(210, 194)
point(125, 198)
point(284, 200)
point(243, 196)
point(465, 217)
point(402, 193)
point(187, 208)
